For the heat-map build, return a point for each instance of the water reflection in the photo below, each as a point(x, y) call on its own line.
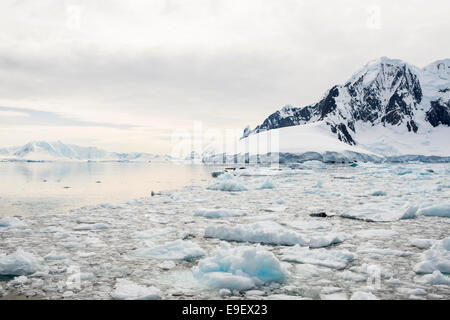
point(36, 188)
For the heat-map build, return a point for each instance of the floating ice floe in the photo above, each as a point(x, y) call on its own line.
point(267, 184)
point(128, 290)
point(153, 233)
point(239, 268)
point(228, 182)
point(325, 240)
point(375, 212)
point(383, 252)
point(361, 295)
point(435, 278)
point(375, 233)
point(19, 263)
point(435, 258)
point(333, 259)
point(54, 256)
point(219, 213)
point(175, 250)
point(18, 281)
point(12, 222)
point(308, 225)
point(93, 226)
point(423, 243)
point(439, 210)
point(259, 232)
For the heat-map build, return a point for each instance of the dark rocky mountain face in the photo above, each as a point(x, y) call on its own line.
point(385, 92)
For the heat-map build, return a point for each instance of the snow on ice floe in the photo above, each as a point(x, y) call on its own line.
point(219, 213)
point(382, 252)
point(175, 250)
point(239, 268)
point(435, 258)
point(20, 263)
point(435, 278)
point(335, 259)
point(128, 290)
point(228, 182)
point(376, 212)
point(12, 222)
point(259, 232)
point(438, 210)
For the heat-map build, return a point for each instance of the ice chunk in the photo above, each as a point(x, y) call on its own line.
point(260, 232)
point(372, 212)
point(128, 290)
point(361, 295)
point(19, 263)
point(351, 276)
point(423, 243)
point(435, 278)
point(219, 213)
point(438, 210)
point(175, 250)
point(322, 257)
point(12, 222)
point(52, 256)
point(267, 184)
point(435, 258)
point(325, 240)
point(239, 268)
point(383, 252)
point(94, 226)
point(228, 182)
point(18, 281)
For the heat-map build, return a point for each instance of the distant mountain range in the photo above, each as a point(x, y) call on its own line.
point(388, 109)
point(58, 151)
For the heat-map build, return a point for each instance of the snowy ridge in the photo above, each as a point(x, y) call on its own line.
point(58, 151)
point(389, 108)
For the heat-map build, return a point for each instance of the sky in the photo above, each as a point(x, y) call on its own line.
point(124, 75)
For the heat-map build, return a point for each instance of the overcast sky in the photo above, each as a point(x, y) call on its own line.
point(123, 75)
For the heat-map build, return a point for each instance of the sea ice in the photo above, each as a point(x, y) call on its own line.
point(325, 240)
point(322, 257)
point(435, 258)
point(375, 212)
point(438, 210)
point(219, 213)
point(239, 268)
point(259, 232)
point(361, 295)
point(175, 250)
point(435, 278)
point(19, 263)
point(267, 184)
point(128, 290)
point(423, 243)
point(382, 252)
point(94, 226)
point(228, 182)
point(11, 222)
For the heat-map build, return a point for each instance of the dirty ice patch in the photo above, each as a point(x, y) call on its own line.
point(439, 210)
point(333, 259)
point(12, 222)
point(376, 212)
point(128, 290)
point(259, 232)
point(228, 182)
point(219, 213)
point(175, 250)
point(435, 258)
point(239, 268)
point(20, 263)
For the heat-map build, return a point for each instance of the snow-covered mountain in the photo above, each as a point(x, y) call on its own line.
point(388, 108)
point(58, 151)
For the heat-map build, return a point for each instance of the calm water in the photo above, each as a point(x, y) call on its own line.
point(38, 188)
